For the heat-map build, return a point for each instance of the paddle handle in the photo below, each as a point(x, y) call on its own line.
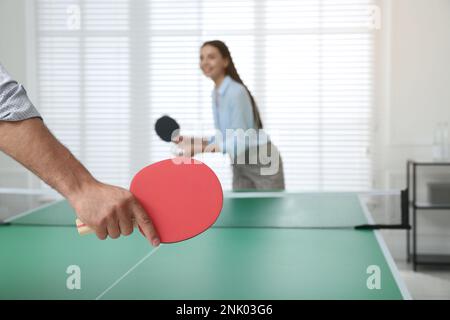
point(84, 229)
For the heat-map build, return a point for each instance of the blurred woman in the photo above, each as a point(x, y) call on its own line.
point(256, 162)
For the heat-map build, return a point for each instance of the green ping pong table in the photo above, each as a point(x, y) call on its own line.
point(263, 246)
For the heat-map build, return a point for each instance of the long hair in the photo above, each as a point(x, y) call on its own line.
point(232, 72)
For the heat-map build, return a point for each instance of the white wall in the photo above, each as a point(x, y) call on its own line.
point(415, 95)
point(419, 79)
point(420, 70)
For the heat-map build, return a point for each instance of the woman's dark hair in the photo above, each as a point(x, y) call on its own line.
point(232, 72)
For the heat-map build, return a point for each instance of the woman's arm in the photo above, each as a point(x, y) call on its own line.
point(189, 146)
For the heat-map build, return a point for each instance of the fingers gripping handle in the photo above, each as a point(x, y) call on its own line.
point(83, 229)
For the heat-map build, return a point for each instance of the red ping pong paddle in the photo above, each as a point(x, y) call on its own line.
point(182, 196)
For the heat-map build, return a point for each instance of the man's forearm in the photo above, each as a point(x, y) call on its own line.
point(32, 144)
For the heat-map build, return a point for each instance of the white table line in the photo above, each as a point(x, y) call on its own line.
point(148, 255)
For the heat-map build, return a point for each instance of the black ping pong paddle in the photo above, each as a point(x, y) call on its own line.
point(167, 128)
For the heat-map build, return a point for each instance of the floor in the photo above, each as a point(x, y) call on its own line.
point(426, 283)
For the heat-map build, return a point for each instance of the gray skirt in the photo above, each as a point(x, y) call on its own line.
point(259, 168)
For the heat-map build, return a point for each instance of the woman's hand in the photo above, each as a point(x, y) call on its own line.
point(189, 146)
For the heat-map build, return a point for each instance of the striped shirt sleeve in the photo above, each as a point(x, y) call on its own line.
point(14, 102)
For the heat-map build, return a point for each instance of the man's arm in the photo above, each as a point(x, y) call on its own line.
point(107, 209)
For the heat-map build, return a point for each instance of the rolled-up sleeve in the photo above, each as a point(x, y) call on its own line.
point(14, 102)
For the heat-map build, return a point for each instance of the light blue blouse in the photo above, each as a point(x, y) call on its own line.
point(232, 109)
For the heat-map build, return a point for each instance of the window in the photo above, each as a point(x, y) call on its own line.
point(108, 69)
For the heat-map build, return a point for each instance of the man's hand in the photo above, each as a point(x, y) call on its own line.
point(107, 209)
point(111, 211)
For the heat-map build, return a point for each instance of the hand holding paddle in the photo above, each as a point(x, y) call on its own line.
point(169, 130)
point(110, 211)
point(182, 197)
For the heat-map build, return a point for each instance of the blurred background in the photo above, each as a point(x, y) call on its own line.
point(347, 89)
